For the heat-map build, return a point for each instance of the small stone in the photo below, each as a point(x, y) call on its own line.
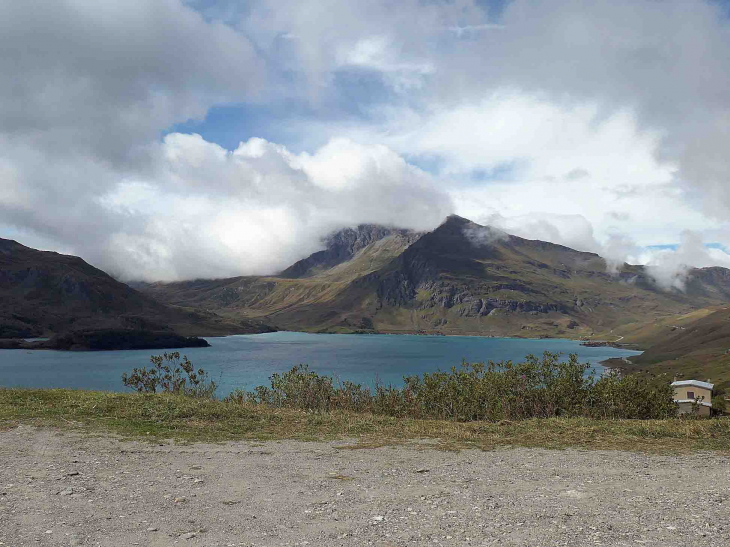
point(66, 491)
point(378, 518)
point(189, 535)
point(73, 474)
point(152, 529)
point(573, 494)
point(422, 470)
point(49, 531)
point(180, 500)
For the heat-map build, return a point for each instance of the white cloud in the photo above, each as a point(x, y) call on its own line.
point(670, 269)
point(468, 29)
point(572, 231)
point(598, 125)
point(207, 212)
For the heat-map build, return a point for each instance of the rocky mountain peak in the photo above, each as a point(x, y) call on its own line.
point(342, 245)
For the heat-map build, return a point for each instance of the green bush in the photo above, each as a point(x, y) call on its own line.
point(616, 396)
point(539, 387)
point(169, 374)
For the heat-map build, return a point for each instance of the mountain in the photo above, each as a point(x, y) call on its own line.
point(45, 293)
point(304, 295)
point(342, 246)
point(461, 278)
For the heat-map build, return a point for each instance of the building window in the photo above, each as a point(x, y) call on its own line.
point(690, 395)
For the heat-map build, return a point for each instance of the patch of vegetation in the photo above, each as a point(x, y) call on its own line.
point(160, 416)
point(170, 374)
point(537, 388)
point(538, 403)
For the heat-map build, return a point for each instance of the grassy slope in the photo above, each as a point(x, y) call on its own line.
point(689, 346)
point(157, 417)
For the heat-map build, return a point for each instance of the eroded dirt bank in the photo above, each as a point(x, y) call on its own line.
point(61, 488)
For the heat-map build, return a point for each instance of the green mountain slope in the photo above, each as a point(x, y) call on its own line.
point(304, 296)
point(44, 293)
point(691, 346)
point(461, 278)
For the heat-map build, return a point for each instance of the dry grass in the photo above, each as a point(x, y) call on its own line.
point(157, 417)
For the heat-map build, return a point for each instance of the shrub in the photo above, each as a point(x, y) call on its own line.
point(304, 389)
point(171, 375)
point(495, 391)
point(539, 387)
point(617, 396)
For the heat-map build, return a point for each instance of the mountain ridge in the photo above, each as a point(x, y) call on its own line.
point(461, 278)
point(43, 293)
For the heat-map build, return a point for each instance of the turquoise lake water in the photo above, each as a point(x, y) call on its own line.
point(248, 361)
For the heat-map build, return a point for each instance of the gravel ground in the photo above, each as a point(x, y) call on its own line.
point(74, 489)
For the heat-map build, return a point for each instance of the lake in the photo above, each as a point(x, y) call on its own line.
point(247, 361)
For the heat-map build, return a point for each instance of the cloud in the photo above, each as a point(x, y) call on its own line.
point(208, 212)
point(96, 80)
point(670, 269)
point(576, 174)
point(483, 235)
point(619, 215)
point(83, 168)
point(619, 249)
point(625, 91)
point(469, 29)
point(573, 231)
point(603, 112)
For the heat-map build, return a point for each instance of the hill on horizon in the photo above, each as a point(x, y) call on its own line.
point(43, 293)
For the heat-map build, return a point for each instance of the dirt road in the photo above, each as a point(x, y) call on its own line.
point(70, 489)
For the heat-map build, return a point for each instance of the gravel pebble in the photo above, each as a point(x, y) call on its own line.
point(283, 494)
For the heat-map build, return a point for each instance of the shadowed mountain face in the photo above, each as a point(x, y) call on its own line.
point(44, 293)
point(461, 278)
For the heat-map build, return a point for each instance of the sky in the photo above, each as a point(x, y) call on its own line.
point(180, 139)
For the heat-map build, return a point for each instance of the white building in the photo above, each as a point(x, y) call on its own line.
point(690, 392)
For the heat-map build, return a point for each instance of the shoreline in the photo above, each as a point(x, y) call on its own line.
point(107, 340)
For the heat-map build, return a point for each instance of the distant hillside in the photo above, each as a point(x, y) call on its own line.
point(693, 346)
point(461, 278)
point(44, 293)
